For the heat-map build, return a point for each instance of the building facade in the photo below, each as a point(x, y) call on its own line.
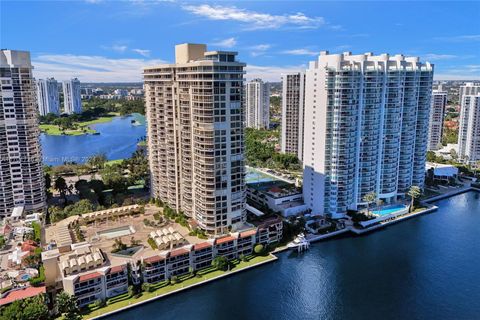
point(47, 96)
point(469, 88)
point(469, 130)
point(72, 100)
point(196, 135)
point(366, 129)
point(435, 124)
point(257, 104)
point(293, 108)
point(21, 174)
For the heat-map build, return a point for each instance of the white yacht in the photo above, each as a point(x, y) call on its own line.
point(300, 243)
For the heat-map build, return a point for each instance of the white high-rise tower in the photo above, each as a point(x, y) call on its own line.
point(72, 100)
point(21, 174)
point(47, 96)
point(366, 129)
point(257, 104)
point(469, 129)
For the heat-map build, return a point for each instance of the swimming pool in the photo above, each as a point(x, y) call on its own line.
point(389, 209)
point(257, 176)
point(116, 232)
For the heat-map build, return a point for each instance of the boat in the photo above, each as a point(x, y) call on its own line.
point(300, 243)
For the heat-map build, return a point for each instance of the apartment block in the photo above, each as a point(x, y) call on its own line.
point(435, 124)
point(257, 104)
point(72, 100)
point(469, 129)
point(196, 136)
point(48, 96)
point(293, 108)
point(366, 129)
point(469, 88)
point(91, 274)
point(21, 174)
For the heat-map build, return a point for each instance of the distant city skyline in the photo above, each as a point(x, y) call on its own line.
point(75, 38)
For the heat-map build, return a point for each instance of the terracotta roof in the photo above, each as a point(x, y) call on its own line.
point(21, 294)
point(225, 239)
point(116, 269)
point(89, 276)
point(178, 252)
point(203, 245)
point(248, 233)
point(153, 259)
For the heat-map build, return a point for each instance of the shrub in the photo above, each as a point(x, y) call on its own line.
point(152, 243)
point(173, 280)
point(40, 279)
point(259, 249)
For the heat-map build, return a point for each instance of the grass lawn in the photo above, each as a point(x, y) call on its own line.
point(112, 162)
point(184, 282)
point(83, 128)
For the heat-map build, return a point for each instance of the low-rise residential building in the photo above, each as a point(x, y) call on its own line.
point(277, 196)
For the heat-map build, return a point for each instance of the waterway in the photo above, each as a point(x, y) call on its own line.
point(117, 140)
point(427, 267)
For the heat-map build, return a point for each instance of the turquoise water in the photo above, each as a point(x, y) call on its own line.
point(423, 268)
point(257, 176)
point(389, 210)
point(117, 140)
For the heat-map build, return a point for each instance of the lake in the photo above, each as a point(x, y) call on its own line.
point(423, 268)
point(117, 140)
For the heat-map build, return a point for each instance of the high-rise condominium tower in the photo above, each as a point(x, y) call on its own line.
point(293, 108)
point(366, 129)
point(257, 103)
point(435, 125)
point(21, 175)
point(469, 130)
point(196, 135)
point(469, 88)
point(47, 96)
point(72, 100)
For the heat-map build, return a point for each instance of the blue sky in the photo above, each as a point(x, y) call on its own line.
point(110, 41)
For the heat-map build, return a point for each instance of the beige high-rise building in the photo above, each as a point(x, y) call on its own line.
point(293, 108)
point(435, 123)
point(21, 174)
point(196, 135)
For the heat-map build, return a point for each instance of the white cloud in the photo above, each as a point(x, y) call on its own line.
point(90, 68)
point(93, 1)
point(255, 20)
point(436, 57)
point(461, 38)
point(259, 49)
point(226, 43)
point(270, 73)
point(116, 47)
point(301, 52)
point(143, 52)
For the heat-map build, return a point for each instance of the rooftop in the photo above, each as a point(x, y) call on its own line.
point(21, 294)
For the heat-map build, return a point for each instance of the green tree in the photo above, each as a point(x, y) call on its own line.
point(35, 308)
point(67, 306)
point(414, 192)
point(97, 161)
point(220, 263)
point(61, 186)
point(369, 198)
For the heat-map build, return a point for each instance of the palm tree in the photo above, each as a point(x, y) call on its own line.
point(368, 198)
point(61, 186)
point(414, 192)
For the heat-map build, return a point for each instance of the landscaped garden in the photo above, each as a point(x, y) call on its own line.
point(177, 283)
